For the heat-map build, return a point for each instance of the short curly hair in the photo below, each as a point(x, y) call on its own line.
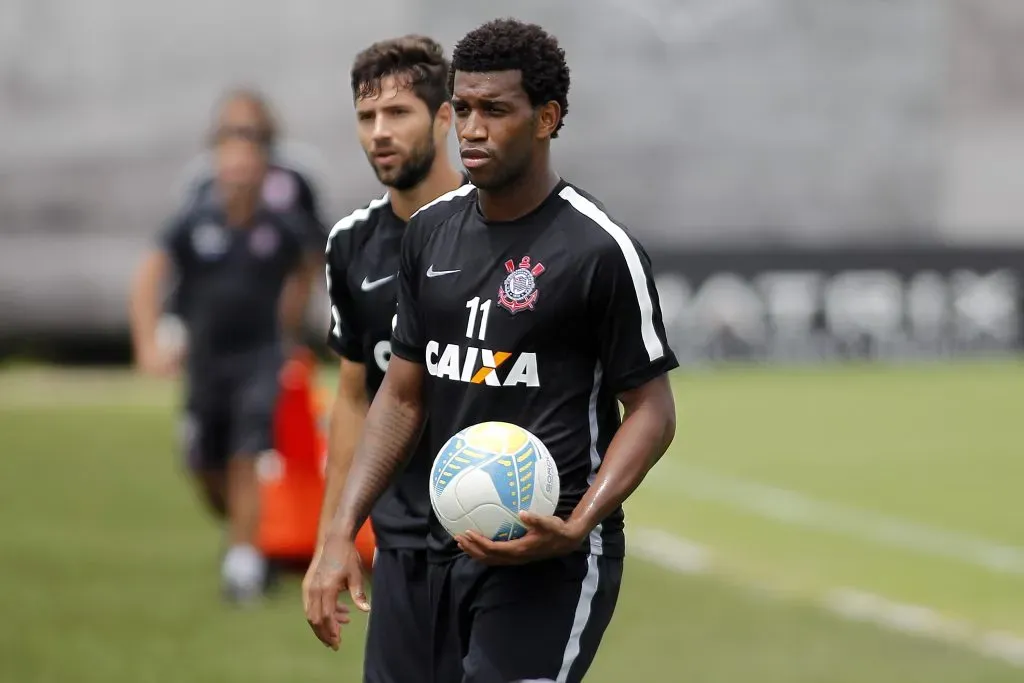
point(513, 45)
point(417, 60)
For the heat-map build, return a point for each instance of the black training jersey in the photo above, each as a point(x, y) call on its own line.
point(362, 283)
point(285, 189)
point(540, 322)
point(230, 279)
point(363, 251)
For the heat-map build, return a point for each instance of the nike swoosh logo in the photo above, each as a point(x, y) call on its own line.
point(370, 285)
point(437, 273)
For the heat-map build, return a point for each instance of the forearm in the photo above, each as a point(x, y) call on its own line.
point(144, 321)
point(144, 304)
point(347, 419)
point(639, 443)
point(391, 428)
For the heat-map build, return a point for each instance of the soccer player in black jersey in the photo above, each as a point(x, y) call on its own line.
point(245, 113)
point(234, 258)
point(520, 300)
point(403, 118)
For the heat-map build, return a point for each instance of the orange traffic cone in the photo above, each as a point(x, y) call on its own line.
point(292, 476)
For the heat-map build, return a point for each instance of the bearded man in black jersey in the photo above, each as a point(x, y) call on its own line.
point(403, 118)
point(579, 336)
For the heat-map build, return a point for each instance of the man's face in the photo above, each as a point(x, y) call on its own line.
point(496, 126)
point(241, 164)
point(396, 131)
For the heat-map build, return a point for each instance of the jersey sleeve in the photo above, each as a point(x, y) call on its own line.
point(626, 314)
point(308, 203)
point(314, 239)
point(306, 217)
point(407, 339)
point(173, 240)
point(345, 335)
point(299, 244)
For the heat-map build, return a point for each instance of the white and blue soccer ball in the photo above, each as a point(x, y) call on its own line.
point(485, 475)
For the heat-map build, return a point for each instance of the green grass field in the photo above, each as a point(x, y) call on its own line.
point(783, 490)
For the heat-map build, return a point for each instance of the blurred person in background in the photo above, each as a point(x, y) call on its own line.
point(243, 277)
point(246, 113)
point(403, 118)
point(286, 187)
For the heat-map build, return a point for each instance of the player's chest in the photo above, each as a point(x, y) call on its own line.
point(373, 282)
point(500, 293)
point(220, 252)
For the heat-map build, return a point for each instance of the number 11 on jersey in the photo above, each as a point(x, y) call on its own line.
point(484, 310)
point(475, 364)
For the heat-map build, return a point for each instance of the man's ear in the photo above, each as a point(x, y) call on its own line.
point(548, 116)
point(443, 120)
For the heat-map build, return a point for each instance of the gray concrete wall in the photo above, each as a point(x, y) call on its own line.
point(725, 121)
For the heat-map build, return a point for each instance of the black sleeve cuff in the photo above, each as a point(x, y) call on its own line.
point(352, 352)
point(644, 374)
point(404, 351)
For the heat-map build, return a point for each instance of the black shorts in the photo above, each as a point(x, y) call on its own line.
point(398, 635)
point(230, 408)
point(543, 620)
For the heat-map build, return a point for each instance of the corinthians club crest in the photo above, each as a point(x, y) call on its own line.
point(519, 290)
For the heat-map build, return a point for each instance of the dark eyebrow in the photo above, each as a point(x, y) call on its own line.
point(496, 99)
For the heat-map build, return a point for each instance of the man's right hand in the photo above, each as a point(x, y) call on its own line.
point(337, 569)
point(307, 580)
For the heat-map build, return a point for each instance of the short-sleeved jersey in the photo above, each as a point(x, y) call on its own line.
point(229, 280)
point(363, 252)
point(284, 190)
point(362, 283)
point(541, 322)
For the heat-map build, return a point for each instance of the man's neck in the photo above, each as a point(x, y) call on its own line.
point(240, 207)
point(519, 198)
point(241, 212)
point(441, 179)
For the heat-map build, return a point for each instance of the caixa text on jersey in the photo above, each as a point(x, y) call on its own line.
point(481, 366)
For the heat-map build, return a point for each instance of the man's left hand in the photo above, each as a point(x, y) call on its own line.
point(546, 537)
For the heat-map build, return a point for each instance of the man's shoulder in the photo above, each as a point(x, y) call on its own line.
point(288, 221)
point(594, 231)
point(362, 221)
point(201, 189)
point(433, 214)
point(287, 189)
point(282, 168)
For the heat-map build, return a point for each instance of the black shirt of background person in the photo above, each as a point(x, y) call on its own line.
point(229, 280)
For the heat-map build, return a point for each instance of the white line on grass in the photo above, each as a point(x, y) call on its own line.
point(682, 556)
point(794, 508)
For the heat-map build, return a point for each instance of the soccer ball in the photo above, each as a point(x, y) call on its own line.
point(485, 475)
